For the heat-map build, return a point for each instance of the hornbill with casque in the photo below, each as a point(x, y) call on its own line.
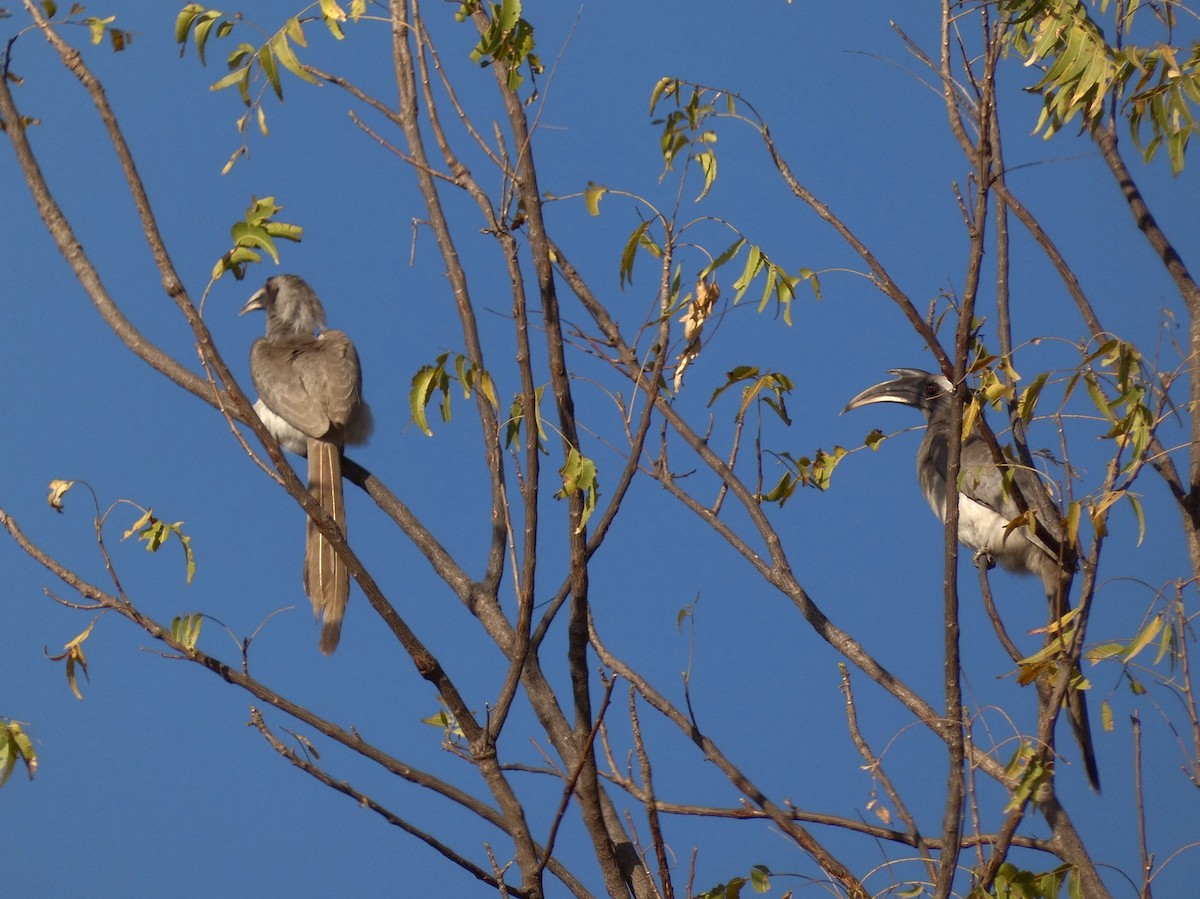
point(986, 506)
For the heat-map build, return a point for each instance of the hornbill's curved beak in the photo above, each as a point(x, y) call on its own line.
point(909, 388)
point(258, 301)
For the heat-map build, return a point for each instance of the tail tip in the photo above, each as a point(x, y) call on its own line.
point(331, 633)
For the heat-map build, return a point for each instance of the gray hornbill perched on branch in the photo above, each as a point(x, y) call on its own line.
point(310, 399)
point(986, 505)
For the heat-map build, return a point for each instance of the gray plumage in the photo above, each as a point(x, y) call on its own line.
point(985, 504)
point(310, 399)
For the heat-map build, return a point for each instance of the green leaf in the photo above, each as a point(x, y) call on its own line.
point(8, 754)
point(665, 87)
point(248, 235)
point(1071, 529)
point(708, 166)
point(239, 257)
point(15, 744)
point(736, 375)
point(185, 629)
point(285, 230)
point(783, 490)
point(630, 252)
point(1027, 402)
point(266, 61)
point(753, 264)
point(485, 386)
point(281, 48)
point(183, 22)
point(579, 476)
point(423, 384)
point(510, 13)
point(334, 27)
point(241, 75)
point(1139, 514)
point(331, 10)
point(1143, 639)
point(516, 417)
point(294, 30)
point(760, 878)
point(807, 274)
point(1099, 400)
point(207, 20)
point(460, 371)
point(188, 556)
point(729, 253)
point(1166, 645)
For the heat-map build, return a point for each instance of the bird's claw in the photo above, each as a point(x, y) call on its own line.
point(983, 558)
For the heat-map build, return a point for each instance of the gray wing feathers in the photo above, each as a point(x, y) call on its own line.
point(313, 384)
point(986, 506)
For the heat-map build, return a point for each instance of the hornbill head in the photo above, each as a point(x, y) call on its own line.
point(292, 306)
point(911, 387)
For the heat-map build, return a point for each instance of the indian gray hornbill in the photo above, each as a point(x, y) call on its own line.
point(985, 504)
point(310, 399)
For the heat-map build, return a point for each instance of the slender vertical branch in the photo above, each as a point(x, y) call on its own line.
point(409, 113)
point(1140, 798)
point(1189, 291)
point(483, 749)
point(650, 803)
point(875, 766)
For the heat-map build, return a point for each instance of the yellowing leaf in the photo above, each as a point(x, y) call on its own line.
point(98, 26)
point(282, 50)
point(183, 22)
point(15, 744)
point(74, 656)
point(58, 490)
point(331, 10)
point(629, 253)
point(146, 518)
point(1071, 529)
point(970, 415)
point(418, 397)
point(185, 629)
point(693, 321)
point(665, 87)
point(591, 197)
point(1142, 640)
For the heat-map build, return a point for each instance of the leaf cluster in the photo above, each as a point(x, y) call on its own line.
point(98, 27)
point(15, 746)
point(507, 40)
point(435, 378)
point(1157, 86)
point(256, 232)
point(156, 532)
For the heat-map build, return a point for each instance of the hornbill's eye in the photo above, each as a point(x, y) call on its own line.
point(932, 390)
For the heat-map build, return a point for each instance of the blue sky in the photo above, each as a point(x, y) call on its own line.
point(153, 783)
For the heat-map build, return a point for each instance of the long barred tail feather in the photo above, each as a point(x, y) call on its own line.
point(326, 578)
